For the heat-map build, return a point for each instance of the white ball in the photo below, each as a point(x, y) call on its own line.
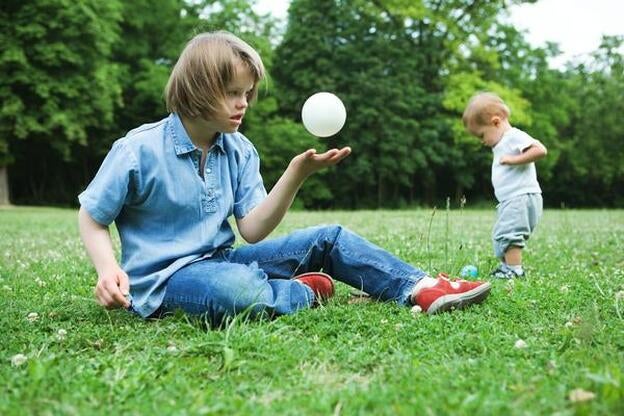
point(323, 114)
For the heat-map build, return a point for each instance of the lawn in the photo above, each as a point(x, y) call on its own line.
point(550, 343)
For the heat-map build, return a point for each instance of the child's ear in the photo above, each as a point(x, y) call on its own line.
point(496, 120)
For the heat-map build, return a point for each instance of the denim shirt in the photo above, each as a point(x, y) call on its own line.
point(166, 213)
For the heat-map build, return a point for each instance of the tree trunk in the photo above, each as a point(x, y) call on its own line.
point(4, 186)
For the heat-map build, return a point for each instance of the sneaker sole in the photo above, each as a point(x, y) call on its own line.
point(508, 276)
point(502, 277)
point(460, 300)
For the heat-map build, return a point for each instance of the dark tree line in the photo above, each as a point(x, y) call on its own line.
point(78, 75)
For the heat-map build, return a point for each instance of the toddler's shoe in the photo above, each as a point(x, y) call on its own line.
point(505, 273)
point(449, 294)
point(321, 284)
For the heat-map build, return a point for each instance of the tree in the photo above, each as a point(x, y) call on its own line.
point(151, 39)
point(350, 49)
point(78, 76)
point(590, 170)
point(57, 80)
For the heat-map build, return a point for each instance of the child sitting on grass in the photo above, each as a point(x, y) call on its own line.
point(170, 187)
point(513, 176)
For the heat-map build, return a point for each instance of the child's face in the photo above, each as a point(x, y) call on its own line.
point(489, 134)
point(236, 94)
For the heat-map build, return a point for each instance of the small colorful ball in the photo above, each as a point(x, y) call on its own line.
point(469, 271)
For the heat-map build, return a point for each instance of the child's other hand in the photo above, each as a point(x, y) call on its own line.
point(309, 161)
point(505, 160)
point(112, 289)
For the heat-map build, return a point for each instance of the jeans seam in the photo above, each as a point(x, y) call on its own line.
point(183, 299)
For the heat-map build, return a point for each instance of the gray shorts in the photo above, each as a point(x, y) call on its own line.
point(516, 218)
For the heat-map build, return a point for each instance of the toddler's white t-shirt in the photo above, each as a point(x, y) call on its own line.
point(513, 180)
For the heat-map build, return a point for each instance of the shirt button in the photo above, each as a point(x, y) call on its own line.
point(208, 170)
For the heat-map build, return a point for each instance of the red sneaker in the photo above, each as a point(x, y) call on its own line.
point(448, 294)
point(321, 284)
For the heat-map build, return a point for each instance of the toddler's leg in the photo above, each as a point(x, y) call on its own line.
point(516, 219)
point(513, 256)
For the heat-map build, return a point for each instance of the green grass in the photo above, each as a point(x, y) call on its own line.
point(343, 358)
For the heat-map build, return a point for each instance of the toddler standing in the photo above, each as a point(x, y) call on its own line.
point(513, 176)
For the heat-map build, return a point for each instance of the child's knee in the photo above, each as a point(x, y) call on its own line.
point(247, 287)
point(331, 231)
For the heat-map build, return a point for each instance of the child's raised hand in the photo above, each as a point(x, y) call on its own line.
point(113, 288)
point(309, 161)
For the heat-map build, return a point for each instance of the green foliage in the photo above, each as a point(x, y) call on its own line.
point(349, 49)
point(594, 149)
point(150, 42)
point(58, 80)
point(77, 76)
point(342, 358)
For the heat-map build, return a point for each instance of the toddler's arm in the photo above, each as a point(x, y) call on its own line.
point(112, 285)
point(263, 219)
point(532, 153)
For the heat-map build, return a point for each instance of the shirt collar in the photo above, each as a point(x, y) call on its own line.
point(219, 142)
point(181, 140)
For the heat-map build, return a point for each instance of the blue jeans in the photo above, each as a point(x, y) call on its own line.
point(257, 278)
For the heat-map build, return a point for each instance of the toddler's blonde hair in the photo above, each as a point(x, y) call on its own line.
point(197, 85)
point(482, 107)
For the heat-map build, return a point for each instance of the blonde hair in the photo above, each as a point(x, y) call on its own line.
point(482, 107)
point(197, 85)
